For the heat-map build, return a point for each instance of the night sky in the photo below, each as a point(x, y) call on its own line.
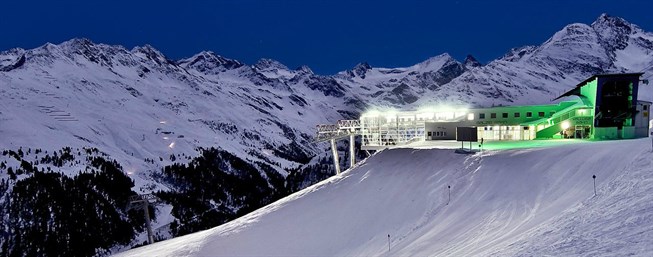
point(327, 35)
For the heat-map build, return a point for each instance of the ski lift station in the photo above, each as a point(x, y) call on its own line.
point(606, 108)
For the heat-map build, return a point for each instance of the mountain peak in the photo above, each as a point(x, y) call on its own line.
point(471, 62)
point(78, 42)
point(101, 54)
point(269, 64)
point(360, 70)
point(209, 62)
point(304, 69)
point(363, 66)
point(436, 62)
point(149, 52)
point(606, 20)
point(613, 31)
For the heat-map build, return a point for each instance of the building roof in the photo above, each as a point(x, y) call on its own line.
point(576, 89)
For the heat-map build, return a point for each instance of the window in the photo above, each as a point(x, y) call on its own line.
point(525, 128)
point(516, 115)
point(504, 115)
point(444, 133)
point(430, 133)
point(540, 114)
point(481, 116)
point(645, 107)
point(470, 116)
point(529, 114)
point(493, 115)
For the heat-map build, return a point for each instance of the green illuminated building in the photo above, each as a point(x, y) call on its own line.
point(606, 108)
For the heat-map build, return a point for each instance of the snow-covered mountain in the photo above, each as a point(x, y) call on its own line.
point(147, 111)
point(534, 74)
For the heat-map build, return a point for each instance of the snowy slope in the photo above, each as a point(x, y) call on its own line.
point(503, 202)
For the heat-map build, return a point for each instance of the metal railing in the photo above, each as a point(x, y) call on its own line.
point(342, 129)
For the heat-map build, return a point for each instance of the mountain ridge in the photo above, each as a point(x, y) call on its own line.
point(141, 108)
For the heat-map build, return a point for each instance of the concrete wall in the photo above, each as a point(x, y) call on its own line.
point(441, 130)
point(605, 133)
point(641, 132)
point(628, 132)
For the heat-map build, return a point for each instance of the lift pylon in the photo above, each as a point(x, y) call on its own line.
point(333, 132)
point(143, 202)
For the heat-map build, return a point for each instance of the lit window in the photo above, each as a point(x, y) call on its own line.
point(470, 116)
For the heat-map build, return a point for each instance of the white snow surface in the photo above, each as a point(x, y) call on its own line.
point(521, 202)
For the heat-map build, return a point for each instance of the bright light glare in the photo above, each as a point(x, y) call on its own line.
point(425, 116)
point(162, 122)
point(439, 112)
point(565, 125)
point(172, 145)
point(372, 113)
point(470, 116)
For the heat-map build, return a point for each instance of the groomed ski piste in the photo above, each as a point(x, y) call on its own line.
point(530, 201)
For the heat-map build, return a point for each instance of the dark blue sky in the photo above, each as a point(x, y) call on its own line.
point(327, 35)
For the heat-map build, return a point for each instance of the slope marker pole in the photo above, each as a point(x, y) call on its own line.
point(594, 177)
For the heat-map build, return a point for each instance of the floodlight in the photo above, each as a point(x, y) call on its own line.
point(565, 125)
